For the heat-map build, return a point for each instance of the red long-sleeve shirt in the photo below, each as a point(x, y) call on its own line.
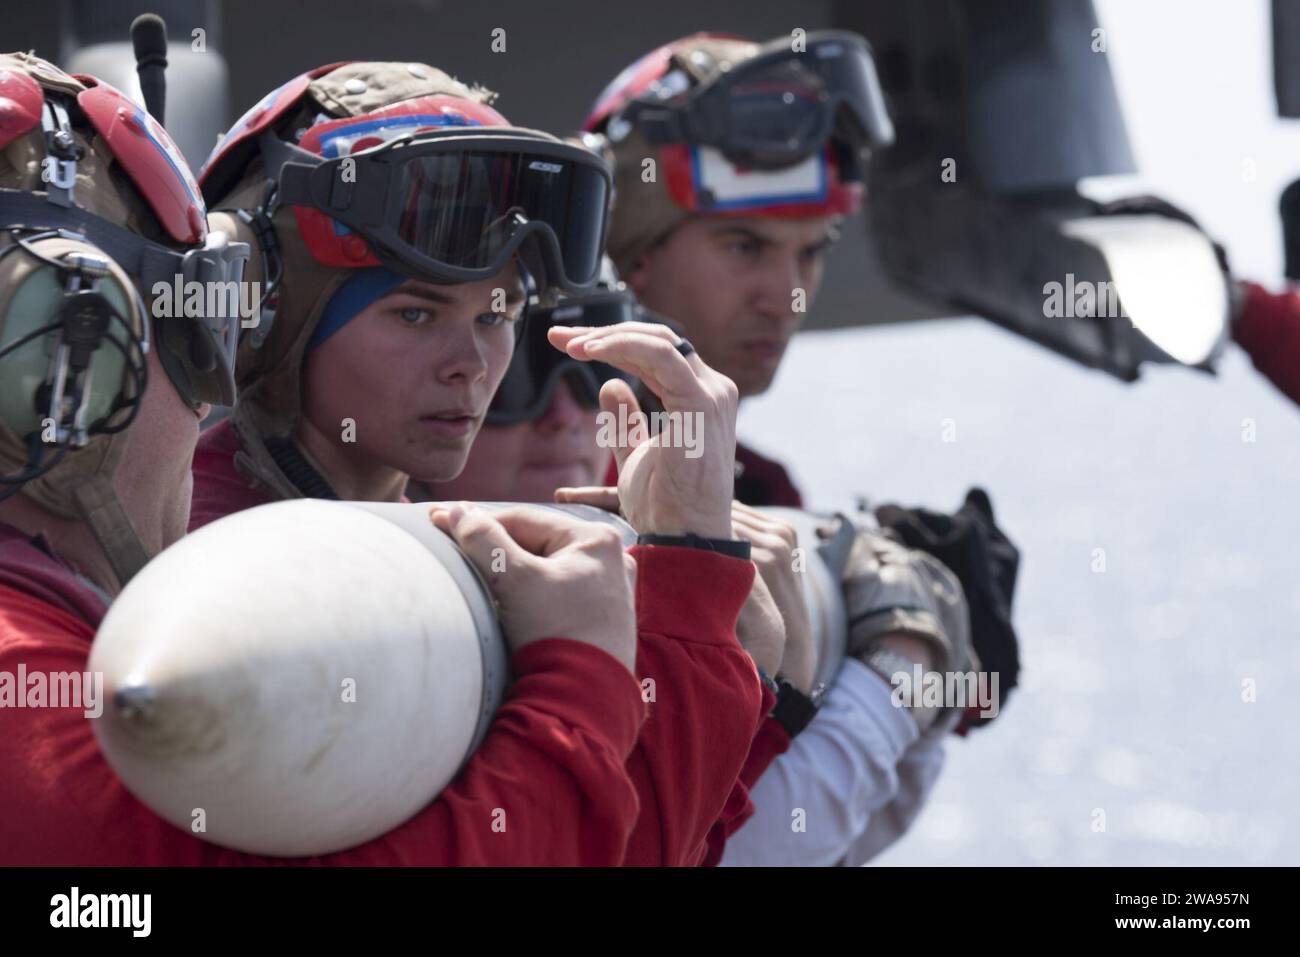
point(704, 700)
point(554, 759)
point(1268, 328)
point(771, 742)
point(759, 481)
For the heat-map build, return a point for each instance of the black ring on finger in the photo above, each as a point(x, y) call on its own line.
point(685, 347)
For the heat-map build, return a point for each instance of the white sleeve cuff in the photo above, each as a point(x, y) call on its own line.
point(818, 798)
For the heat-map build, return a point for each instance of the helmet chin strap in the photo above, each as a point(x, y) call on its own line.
point(103, 513)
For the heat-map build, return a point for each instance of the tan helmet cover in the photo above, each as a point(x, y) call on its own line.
point(644, 211)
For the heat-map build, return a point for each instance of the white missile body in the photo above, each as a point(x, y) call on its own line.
point(825, 542)
point(302, 677)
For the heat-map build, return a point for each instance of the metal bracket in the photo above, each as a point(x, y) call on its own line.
point(59, 167)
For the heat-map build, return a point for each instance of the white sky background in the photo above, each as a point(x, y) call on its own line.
point(1130, 699)
point(1195, 80)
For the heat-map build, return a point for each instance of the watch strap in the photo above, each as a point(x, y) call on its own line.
point(731, 547)
point(795, 710)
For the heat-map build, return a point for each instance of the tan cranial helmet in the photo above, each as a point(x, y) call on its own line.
point(671, 164)
point(644, 209)
point(89, 189)
point(234, 180)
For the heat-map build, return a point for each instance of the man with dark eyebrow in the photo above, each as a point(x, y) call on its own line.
point(734, 254)
point(739, 289)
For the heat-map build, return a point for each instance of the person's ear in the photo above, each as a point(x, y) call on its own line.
point(638, 276)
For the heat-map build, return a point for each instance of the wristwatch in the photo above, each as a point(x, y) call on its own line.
point(795, 710)
point(888, 663)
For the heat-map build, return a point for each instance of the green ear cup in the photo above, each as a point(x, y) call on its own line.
point(34, 304)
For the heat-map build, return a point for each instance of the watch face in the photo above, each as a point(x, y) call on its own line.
point(888, 664)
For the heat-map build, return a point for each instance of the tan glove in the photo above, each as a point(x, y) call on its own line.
point(890, 589)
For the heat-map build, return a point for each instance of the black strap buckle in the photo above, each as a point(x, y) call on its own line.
point(795, 710)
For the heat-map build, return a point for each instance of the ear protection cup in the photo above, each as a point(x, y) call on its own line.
point(33, 297)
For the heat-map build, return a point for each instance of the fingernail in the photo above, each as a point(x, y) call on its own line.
point(596, 346)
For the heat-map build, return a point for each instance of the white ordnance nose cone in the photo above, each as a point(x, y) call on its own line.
point(300, 677)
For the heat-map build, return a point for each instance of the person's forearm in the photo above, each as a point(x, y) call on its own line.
point(819, 796)
point(1268, 328)
point(917, 773)
point(548, 786)
point(703, 694)
point(769, 743)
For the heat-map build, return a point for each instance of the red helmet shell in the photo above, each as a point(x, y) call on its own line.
point(264, 114)
point(681, 177)
point(21, 101)
point(149, 157)
point(678, 162)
